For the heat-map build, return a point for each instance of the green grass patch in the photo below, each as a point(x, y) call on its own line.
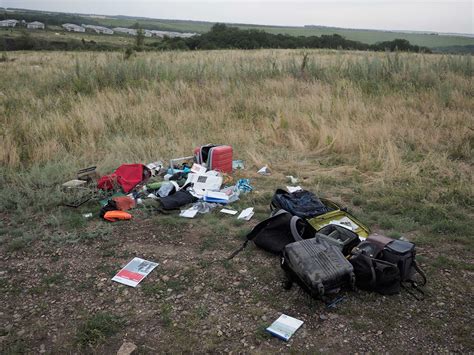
point(443, 262)
point(98, 328)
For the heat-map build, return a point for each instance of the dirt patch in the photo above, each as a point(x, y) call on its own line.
point(196, 301)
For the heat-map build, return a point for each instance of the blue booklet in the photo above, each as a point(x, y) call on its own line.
point(284, 327)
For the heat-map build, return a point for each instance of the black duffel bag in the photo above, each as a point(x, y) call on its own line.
point(301, 203)
point(274, 233)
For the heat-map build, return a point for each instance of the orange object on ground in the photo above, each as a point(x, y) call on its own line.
point(114, 216)
point(124, 202)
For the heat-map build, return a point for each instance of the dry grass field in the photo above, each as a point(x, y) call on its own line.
point(389, 135)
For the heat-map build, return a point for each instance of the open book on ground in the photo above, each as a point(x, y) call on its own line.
point(284, 327)
point(135, 271)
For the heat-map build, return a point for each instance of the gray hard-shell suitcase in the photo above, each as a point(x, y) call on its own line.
point(317, 266)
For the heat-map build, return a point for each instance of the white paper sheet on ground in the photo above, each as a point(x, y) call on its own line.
point(227, 211)
point(292, 189)
point(343, 222)
point(198, 169)
point(135, 271)
point(204, 182)
point(246, 214)
point(189, 213)
point(284, 327)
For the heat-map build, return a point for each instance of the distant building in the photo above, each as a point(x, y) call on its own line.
point(170, 34)
point(73, 28)
point(35, 25)
point(8, 23)
point(128, 31)
point(99, 29)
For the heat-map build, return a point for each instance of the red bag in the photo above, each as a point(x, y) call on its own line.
point(127, 176)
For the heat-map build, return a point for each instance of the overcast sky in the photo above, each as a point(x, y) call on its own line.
point(418, 15)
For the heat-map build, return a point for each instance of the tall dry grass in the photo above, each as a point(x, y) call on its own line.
point(382, 113)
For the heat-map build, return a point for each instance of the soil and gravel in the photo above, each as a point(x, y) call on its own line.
point(194, 301)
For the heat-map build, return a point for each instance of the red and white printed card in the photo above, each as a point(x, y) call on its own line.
point(135, 271)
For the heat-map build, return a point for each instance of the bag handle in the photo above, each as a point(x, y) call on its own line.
point(294, 230)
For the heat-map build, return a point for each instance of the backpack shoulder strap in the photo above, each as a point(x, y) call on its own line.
point(421, 272)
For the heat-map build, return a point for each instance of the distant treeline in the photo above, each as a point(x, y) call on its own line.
point(225, 37)
point(220, 37)
point(28, 42)
point(51, 19)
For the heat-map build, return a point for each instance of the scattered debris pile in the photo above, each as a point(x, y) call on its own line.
point(322, 247)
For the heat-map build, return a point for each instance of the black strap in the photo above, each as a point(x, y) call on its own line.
point(422, 274)
point(414, 287)
point(373, 280)
point(242, 247)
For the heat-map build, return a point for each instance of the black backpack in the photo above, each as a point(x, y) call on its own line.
point(384, 265)
point(301, 203)
point(280, 229)
point(374, 274)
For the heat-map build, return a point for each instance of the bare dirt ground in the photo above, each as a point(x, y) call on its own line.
point(196, 302)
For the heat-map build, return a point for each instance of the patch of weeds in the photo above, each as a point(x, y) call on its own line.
point(357, 201)
point(15, 346)
point(151, 289)
point(55, 258)
point(169, 221)
point(109, 270)
point(218, 286)
point(443, 262)
point(228, 265)
point(261, 334)
point(209, 242)
point(360, 326)
point(108, 248)
point(166, 315)
point(238, 222)
point(447, 226)
point(97, 328)
point(202, 312)
point(18, 244)
point(394, 235)
point(74, 221)
point(17, 232)
point(386, 223)
point(219, 228)
point(53, 279)
point(86, 284)
point(89, 236)
point(161, 286)
point(242, 233)
point(204, 264)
